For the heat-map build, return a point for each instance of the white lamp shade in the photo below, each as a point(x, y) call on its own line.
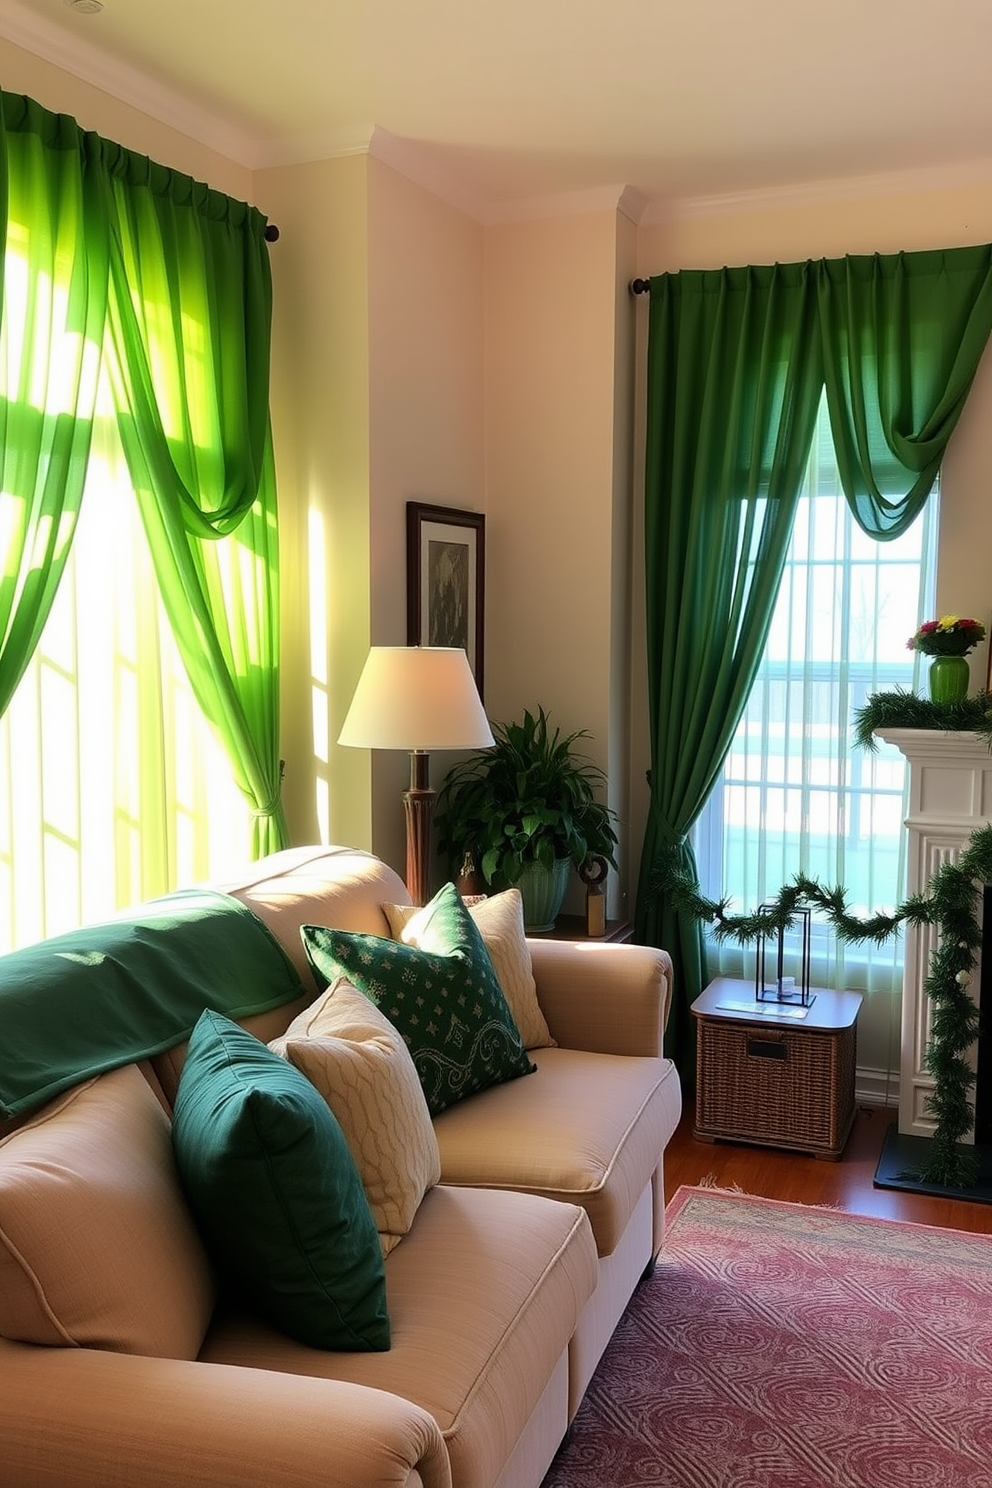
point(416, 698)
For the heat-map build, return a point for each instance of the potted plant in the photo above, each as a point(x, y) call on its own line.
point(526, 811)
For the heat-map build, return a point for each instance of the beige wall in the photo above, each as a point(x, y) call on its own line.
point(558, 495)
point(377, 400)
point(426, 412)
point(320, 413)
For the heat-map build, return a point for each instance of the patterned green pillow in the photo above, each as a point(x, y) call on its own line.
point(443, 996)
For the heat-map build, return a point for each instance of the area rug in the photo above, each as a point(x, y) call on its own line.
point(779, 1346)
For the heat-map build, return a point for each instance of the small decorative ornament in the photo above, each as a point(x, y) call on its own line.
point(592, 874)
point(948, 640)
point(769, 983)
point(962, 979)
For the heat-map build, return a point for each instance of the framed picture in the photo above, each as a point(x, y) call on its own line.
point(446, 580)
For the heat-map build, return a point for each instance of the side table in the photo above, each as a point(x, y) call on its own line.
point(772, 1077)
point(573, 927)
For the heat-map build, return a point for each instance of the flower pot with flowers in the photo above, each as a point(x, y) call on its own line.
point(948, 640)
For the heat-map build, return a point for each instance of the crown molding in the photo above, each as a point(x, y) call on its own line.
point(811, 193)
point(558, 204)
point(420, 165)
point(633, 204)
point(42, 38)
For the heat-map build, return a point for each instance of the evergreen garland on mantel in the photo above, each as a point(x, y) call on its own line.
point(950, 903)
point(907, 710)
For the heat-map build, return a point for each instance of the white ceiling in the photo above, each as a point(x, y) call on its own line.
point(496, 101)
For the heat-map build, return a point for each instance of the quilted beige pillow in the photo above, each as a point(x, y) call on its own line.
point(363, 1069)
point(97, 1246)
point(500, 920)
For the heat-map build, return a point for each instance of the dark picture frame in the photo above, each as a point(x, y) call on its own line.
point(446, 580)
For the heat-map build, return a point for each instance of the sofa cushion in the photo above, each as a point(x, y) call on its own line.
point(97, 1245)
point(341, 886)
point(484, 1294)
point(276, 1192)
point(500, 919)
point(443, 997)
point(362, 1067)
point(590, 1129)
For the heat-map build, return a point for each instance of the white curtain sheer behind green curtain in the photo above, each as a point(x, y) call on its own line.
point(795, 793)
point(113, 786)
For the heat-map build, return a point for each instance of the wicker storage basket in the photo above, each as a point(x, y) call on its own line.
point(781, 1087)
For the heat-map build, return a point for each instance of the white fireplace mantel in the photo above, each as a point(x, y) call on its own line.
point(950, 794)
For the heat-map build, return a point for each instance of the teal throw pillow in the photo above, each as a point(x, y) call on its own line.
point(276, 1193)
point(443, 996)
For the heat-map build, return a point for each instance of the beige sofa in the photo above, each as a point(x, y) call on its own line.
point(502, 1296)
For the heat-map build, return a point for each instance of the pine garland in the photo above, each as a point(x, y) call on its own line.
point(906, 710)
point(950, 903)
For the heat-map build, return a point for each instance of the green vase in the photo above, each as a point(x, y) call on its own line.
point(949, 676)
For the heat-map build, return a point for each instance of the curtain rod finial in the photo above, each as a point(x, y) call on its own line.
point(640, 286)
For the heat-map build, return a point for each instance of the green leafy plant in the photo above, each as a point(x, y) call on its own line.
point(530, 798)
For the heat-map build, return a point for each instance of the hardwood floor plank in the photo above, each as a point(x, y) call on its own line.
point(846, 1184)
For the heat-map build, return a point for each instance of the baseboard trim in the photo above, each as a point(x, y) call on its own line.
point(876, 1087)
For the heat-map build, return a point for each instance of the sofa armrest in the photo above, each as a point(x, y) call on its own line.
point(93, 1419)
point(608, 998)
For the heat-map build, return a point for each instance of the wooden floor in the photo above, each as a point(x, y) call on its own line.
point(846, 1184)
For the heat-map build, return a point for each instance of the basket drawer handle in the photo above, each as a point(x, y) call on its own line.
point(766, 1049)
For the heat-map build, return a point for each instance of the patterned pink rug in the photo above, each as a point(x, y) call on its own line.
point(778, 1346)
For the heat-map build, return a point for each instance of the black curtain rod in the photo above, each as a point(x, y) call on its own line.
point(640, 286)
point(271, 233)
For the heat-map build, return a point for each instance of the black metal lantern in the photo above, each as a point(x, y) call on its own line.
point(770, 984)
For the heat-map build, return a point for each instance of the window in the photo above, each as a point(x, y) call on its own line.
point(113, 788)
point(795, 794)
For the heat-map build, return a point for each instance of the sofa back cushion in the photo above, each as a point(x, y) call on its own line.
point(340, 886)
point(97, 1246)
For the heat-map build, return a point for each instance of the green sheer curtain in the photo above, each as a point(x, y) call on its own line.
point(190, 311)
point(902, 335)
point(737, 359)
point(733, 384)
point(126, 258)
point(51, 330)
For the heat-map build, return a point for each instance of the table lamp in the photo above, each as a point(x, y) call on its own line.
point(417, 698)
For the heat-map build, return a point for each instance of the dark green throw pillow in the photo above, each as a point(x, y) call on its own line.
point(276, 1192)
point(444, 997)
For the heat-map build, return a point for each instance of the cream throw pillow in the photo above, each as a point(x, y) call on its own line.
point(500, 921)
point(97, 1246)
point(362, 1067)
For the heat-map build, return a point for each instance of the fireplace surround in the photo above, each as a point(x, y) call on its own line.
point(950, 795)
